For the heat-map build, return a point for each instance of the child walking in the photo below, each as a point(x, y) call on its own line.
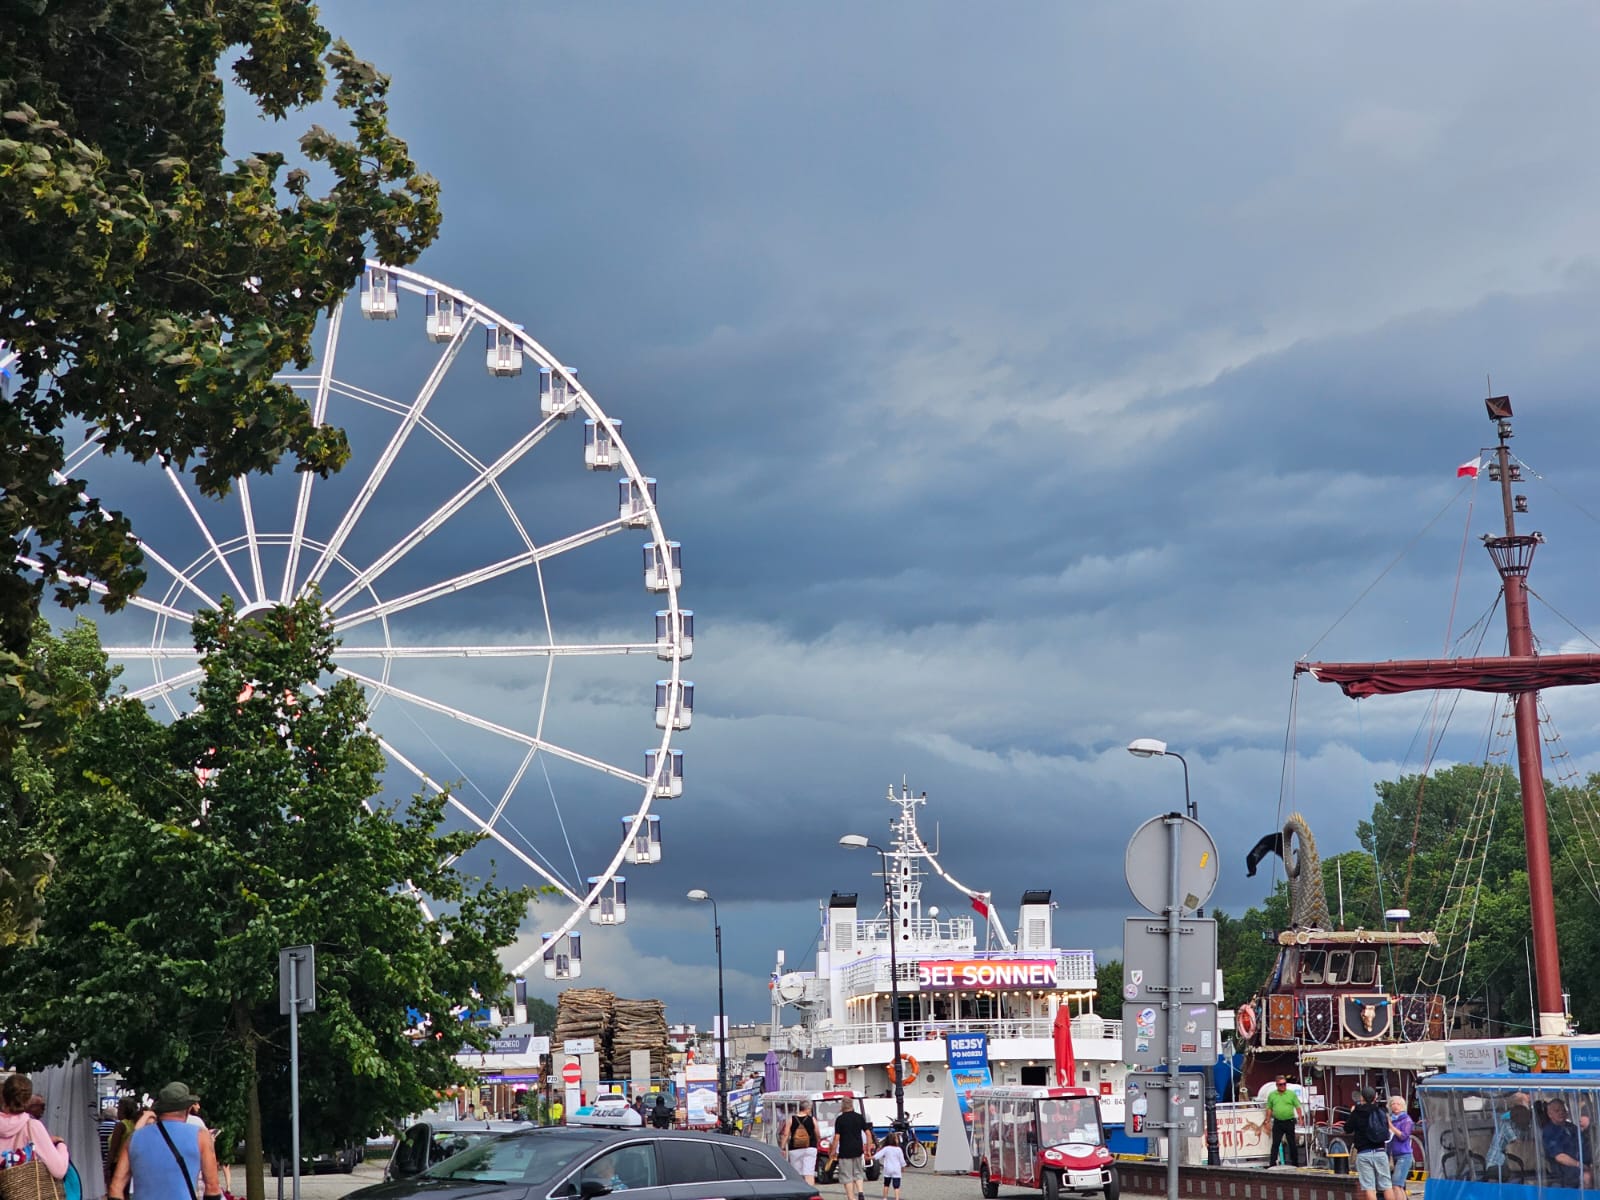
point(891, 1161)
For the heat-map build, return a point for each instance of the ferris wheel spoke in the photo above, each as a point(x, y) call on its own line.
point(251, 538)
point(513, 735)
point(181, 577)
point(391, 451)
point(100, 589)
point(468, 579)
point(82, 454)
point(526, 650)
point(205, 531)
point(319, 412)
point(483, 826)
point(151, 653)
point(164, 687)
point(487, 477)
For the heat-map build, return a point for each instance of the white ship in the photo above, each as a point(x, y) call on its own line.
point(956, 975)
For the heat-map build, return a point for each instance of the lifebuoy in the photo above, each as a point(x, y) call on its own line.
point(911, 1070)
point(1245, 1019)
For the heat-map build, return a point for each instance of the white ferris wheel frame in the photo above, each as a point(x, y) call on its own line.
point(471, 314)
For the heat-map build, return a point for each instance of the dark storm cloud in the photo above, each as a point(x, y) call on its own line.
point(1020, 381)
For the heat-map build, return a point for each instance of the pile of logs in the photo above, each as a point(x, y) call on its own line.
point(617, 1026)
point(640, 1025)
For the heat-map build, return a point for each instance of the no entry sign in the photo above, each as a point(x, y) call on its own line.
point(571, 1073)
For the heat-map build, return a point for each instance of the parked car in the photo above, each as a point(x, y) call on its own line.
point(584, 1162)
point(429, 1142)
point(343, 1159)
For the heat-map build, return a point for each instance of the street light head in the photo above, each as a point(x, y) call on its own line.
point(855, 841)
point(1146, 747)
point(699, 894)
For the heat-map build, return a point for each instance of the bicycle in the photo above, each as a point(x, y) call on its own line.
point(914, 1148)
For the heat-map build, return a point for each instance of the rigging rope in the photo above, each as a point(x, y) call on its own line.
point(1446, 959)
point(1569, 791)
point(1404, 550)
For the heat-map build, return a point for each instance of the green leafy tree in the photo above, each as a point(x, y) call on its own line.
point(152, 287)
point(541, 1014)
point(1419, 841)
point(188, 854)
point(1108, 989)
point(50, 693)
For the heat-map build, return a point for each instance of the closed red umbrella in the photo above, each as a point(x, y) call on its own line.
point(1066, 1066)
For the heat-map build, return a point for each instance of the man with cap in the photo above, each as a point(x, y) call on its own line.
point(163, 1158)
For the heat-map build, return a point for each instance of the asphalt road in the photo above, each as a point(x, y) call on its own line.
point(918, 1185)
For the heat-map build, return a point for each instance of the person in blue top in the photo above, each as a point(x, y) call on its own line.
point(1560, 1141)
point(149, 1159)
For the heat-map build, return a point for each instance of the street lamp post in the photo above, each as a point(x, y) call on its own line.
point(857, 841)
point(722, 1018)
point(1155, 748)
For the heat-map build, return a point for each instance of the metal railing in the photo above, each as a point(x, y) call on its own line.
point(914, 1032)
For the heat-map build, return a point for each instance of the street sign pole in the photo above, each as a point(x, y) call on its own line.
point(1176, 851)
point(1174, 825)
point(297, 991)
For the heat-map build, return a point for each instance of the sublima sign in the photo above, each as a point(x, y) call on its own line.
point(997, 974)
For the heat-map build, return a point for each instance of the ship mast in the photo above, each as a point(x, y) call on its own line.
point(1521, 674)
point(909, 852)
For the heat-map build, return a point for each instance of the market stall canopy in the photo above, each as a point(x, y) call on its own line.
point(1404, 1056)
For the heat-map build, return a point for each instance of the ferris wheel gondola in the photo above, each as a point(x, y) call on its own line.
point(460, 513)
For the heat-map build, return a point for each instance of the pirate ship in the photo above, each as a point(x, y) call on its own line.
point(1327, 988)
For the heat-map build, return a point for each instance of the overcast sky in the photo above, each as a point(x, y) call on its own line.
point(1020, 380)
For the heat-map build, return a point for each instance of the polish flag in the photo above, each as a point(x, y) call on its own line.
point(980, 906)
point(1469, 468)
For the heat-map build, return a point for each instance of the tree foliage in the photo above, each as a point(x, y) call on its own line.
point(1450, 848)
point(152, 287)
point(188, 854)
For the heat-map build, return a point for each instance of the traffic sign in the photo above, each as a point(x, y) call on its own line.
point(1150, 1106)
point(1148, 864)
point(1144, 1035)
point(572, 1074)
point(1144, 960)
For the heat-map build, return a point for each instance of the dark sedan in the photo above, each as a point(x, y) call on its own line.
point(581, 1163)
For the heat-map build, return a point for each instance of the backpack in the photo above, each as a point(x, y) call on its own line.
point(1376, 1126)
point(799, 1135)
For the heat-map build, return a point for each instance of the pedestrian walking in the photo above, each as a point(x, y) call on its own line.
point(891, 1162)
point(25, 1143)
point(1368, 1127)
point(661, 1115)
point(166, 1155)
point(800, 1140)
point(852, 1142)
point(127, 1112)
point(1401, 1153)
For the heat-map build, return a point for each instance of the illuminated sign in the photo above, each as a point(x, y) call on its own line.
point(943, 975)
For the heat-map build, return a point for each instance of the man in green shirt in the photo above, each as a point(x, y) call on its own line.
point(1283, 1106)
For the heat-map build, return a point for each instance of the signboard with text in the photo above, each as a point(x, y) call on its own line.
point(968, 1055)
point(992, 974)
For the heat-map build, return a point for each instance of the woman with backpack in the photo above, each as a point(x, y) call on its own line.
point(799, 1139)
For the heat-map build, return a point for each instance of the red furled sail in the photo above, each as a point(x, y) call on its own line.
point(1513, 675)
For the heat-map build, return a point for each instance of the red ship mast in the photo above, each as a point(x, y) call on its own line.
point(1521, 673)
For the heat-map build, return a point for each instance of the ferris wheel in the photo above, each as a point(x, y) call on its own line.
point(506, 642)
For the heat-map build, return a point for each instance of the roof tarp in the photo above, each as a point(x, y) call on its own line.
point(1401, 1056)
point(1513, 675)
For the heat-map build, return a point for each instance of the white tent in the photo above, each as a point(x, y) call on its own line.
point(72, 1113)
point(1398, 1056)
